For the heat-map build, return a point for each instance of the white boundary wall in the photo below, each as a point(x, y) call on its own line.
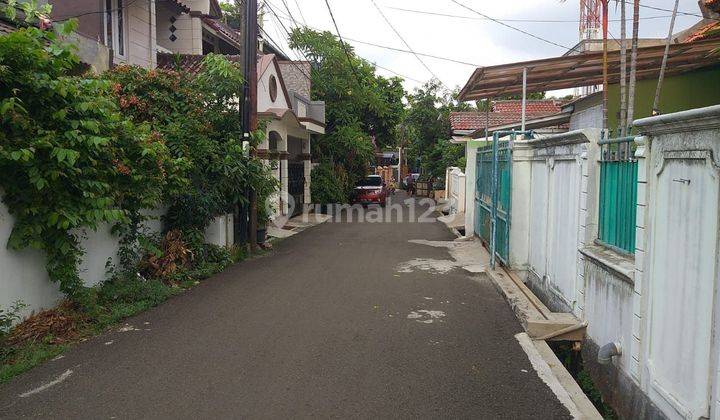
point(676, 301)
point(455, 189)
point(549, 214)
point(23, 275)
point(662, 304)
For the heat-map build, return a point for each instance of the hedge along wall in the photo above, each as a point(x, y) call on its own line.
point(23, 275)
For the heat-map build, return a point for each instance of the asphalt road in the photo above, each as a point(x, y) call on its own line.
point(323, 327)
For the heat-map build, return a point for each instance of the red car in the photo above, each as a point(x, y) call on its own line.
point(371, 190)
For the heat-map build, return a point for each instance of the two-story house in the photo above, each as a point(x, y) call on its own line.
point(168, 33)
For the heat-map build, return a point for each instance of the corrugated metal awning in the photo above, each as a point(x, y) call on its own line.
point(585, 70)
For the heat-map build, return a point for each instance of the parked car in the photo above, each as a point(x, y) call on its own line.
point(370, 190)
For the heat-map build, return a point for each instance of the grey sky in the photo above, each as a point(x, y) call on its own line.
point(470, 39)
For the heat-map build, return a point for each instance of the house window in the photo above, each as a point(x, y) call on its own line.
point(273, 88)
point(115, 26)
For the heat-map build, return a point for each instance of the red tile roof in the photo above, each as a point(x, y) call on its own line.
point(542, 106)
point(476, 120)
point(711, 30)
point(223, 29)
point(503, 112)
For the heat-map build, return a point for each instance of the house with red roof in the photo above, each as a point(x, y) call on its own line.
point(545, 115)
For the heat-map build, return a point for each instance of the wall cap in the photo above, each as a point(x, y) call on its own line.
point(585, 135)
point(697, 119)
point(622, 265)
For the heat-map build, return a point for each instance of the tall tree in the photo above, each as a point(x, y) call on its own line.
point(363, 109)
point(427, 124)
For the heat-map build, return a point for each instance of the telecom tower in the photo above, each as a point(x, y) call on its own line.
point(590, 28)
point(590, 18)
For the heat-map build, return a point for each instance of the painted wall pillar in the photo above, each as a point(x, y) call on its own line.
point(470, 180)
point(641, 154)
point(520, 211)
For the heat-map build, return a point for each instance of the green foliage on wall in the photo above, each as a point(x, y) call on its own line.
point(69, 158)
point(78, 152)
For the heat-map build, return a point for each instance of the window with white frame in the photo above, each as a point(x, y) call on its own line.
point(115, 26)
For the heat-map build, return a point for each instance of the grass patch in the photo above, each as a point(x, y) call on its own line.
point(18, 359)
point(573, 362)
point(47, 334)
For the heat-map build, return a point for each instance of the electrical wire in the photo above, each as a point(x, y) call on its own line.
point(277, 16)
point(289, 13)
point(342, 43)
point(404, 41)
point(679, 12)
point(515, 28)
point(301, 13)
point(425, 12)
point(437, 57)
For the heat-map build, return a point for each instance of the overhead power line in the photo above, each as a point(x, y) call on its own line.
point(431, 13)
point(513, 27)
point(342, 43)
point(386, 47)
point(289, 13)
point(661, 9)
point(404, 41)
point(301, 13)
point(277, 16)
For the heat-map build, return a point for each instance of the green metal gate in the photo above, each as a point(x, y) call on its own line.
point(493, 195)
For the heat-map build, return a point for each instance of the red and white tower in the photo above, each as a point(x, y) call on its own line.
point(590, 19)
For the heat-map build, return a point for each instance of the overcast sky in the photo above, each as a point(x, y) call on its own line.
point(468, 38)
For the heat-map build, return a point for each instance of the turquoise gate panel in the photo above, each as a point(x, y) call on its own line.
point(493, 192)
point(504, 190)
point(483, 194)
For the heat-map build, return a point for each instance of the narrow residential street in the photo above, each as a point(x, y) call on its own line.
point(325, 326)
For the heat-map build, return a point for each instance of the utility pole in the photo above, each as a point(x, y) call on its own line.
point(250, 109)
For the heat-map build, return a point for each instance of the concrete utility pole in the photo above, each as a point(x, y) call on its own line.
point(251, 117)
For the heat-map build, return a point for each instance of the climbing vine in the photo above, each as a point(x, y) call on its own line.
point(70, 160)
point(78, 151)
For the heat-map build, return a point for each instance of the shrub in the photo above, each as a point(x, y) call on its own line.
point(327, 185)
point(8, 317)
point(197, 117)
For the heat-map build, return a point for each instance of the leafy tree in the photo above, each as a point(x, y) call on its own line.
point(427, 126)
point(363, 110)
point(232, 13)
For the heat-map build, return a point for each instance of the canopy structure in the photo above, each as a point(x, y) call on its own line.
point(585, 70)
